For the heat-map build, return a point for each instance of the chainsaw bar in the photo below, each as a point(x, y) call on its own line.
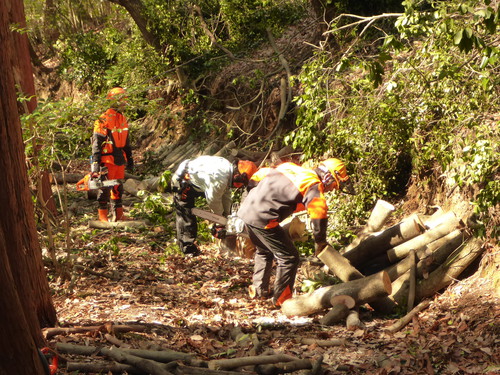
point(207, 215)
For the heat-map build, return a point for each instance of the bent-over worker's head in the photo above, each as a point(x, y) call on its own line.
point(333, 174)
point(243, 173)
point(118, 97)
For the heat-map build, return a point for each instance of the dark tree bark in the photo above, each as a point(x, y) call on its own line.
point(20, 245)
point(136, 10)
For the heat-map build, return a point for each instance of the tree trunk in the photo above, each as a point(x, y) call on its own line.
point(136, 11)
point(24, 296)
point(365, 290)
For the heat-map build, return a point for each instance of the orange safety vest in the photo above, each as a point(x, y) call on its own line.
point(114, 127)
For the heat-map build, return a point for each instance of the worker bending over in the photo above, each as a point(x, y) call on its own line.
point(211, 177)
point(281, 192)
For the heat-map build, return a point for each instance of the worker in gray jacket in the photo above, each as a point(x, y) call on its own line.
point(206, 176)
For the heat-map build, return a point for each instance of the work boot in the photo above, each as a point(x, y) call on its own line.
point(191, 250)
point(103, 214)
point(119, 215)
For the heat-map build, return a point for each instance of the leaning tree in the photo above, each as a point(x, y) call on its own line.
point(25, 300)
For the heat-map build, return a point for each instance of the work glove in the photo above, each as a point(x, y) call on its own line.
point(218, 231)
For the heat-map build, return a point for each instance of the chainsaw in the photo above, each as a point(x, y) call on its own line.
point(233, 224)
point(88, 183)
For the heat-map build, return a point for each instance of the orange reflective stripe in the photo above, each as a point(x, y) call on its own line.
point(302, 178)
point(286, 294)
point(272, 224)
point(318, 209)
point(260, 174)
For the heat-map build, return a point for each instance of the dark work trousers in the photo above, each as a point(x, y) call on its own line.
point(115, 193)
point(270, 244)
point(185, 222)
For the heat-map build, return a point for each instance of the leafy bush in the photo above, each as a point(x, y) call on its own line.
point(400, 114)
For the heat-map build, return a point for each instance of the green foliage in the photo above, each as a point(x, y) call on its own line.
point(157, 208)
point(60, 131)
point(400, 114)
point(319, 280)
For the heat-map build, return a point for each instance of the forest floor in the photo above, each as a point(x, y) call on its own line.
point(198, 305)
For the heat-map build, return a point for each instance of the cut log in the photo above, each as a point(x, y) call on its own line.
point(353, 322)
point(440, 278)
point(365, 290)
point(226, 149)
point(379, 215)
point(337, 313)
point(296, 228)
point(117, 224)
point(341, 305)
point(449, 271)
point(420, 242)
point(343, 269)
point(378, 243)
point(131, 186)
point(412, 280)
point(69, 178)
point(437, 251)
point(338, 264)
point(438, 218)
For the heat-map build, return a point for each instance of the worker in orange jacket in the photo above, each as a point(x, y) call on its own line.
point(281, 192)
point(111, 153)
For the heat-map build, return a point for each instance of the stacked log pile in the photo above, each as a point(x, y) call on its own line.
point(396, 266)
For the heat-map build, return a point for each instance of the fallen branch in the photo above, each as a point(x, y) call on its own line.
point(319, 342)
point(299, 364)
point(189, 370)
point(163, 356)
point(102, 368)
point(225, 364)
point(78, 267)
point(408, 317)
point(51, 332)
point(147, 365)
point(117, 224)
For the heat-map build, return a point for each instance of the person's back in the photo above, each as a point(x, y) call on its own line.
point(211, 177)
point(278, 194)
